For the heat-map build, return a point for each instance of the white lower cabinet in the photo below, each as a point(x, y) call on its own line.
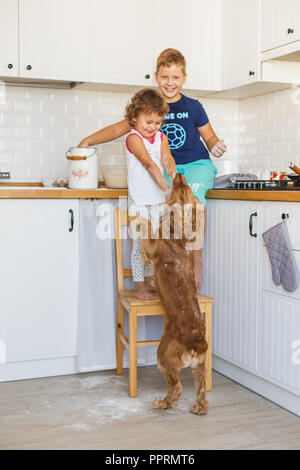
point(231, 276)
point(256, 324)
point(278, 344)
point(38, 285)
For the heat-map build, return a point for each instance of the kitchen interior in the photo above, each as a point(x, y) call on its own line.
point(58, 291)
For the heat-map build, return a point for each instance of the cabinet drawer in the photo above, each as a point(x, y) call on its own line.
point(268, 284)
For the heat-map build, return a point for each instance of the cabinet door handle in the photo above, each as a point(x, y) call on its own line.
point(251, 72)
point(147, 76)
point(251, 224)
point(284, 216)
point(29, 67)
point(290, 31)
point(72, 220)
point(10, 66)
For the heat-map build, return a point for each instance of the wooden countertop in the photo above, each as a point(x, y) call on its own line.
point(33, 190)
point(249, 195)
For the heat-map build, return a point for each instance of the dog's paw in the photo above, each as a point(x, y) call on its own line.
point(162, 404)
point(198, 409)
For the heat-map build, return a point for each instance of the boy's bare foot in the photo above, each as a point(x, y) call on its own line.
point(150, 286)
point(142, 293)
point(198, 268)
point(198, 276)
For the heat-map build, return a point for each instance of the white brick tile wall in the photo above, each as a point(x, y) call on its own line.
point(268, 123)
point(279, 138)
point(12, 118)
point(281, 148)
point(33, 159)
point(291, 133)
point(283, 122)
point(268, 149)
point(6, 159)
point(295, 149)
point(295, 119)
point(37, 126)
point(29, 132)
point(276, 135)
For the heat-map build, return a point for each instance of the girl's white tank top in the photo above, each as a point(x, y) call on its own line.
point(141, 187)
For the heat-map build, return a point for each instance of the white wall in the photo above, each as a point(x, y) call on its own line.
point(269, 135)
point(38, 125)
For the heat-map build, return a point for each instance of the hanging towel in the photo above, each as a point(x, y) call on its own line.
point(228, 181)
point(97, 292)
point(284, 266)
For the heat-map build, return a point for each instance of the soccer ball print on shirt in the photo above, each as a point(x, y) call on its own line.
point(175, 134)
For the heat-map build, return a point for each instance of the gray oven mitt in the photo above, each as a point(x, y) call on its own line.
point(284, 266)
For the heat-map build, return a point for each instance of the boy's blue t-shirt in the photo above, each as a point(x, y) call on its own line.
point(180, 127)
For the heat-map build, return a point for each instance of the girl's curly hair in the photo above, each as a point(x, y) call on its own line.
point(146, 101)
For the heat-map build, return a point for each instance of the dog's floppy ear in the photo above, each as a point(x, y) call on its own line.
point(149, 250)
point(192, 219)
point(194, 216)
point(171, 220)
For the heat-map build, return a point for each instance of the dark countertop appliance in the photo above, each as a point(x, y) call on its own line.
point(266, 185)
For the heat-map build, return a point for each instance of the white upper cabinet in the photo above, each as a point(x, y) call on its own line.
point(280, 23)
point(9, 54)
point(240, 54)
point(117, 42)
point(192, 27)
point(54, 39)
point(122, 42)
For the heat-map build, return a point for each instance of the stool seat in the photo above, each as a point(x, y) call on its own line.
point(128, 299)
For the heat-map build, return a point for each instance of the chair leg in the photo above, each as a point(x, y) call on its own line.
point(208, 337)
point(120, 330)
point(132, 354)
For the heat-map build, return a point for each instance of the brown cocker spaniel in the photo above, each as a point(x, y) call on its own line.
point(183, 342)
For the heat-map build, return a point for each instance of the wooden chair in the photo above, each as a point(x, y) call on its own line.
point(139, 308)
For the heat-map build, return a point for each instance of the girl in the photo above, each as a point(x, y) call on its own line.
point(147, 153)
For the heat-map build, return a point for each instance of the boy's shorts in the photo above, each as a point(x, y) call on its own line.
point(199, 176)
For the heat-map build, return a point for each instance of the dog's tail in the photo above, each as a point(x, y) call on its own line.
point(197, 343)
point(191, 339)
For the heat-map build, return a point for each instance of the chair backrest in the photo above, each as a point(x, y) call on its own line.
point(121, 220)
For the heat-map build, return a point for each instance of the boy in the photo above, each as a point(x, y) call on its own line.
point(185, 123)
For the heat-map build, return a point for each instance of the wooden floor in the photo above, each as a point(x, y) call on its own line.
point(93, 411)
